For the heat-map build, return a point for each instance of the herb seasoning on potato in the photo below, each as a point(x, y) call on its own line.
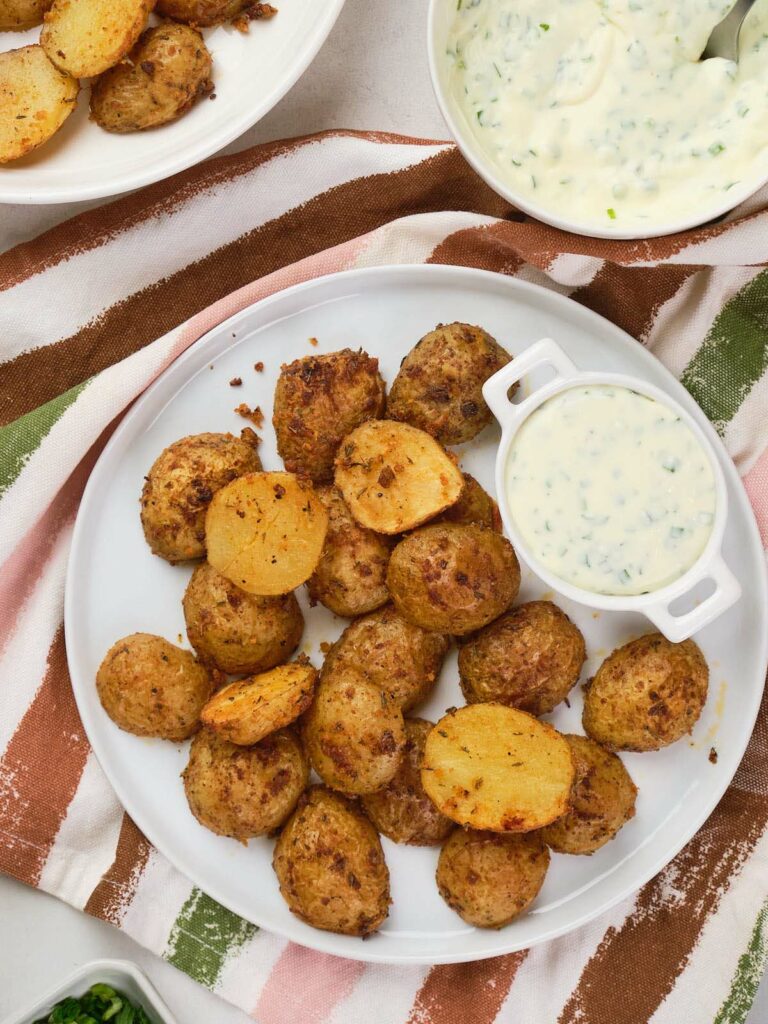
point(36, 98)
point(85, 37)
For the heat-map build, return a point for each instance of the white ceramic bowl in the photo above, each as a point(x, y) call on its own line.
point(656, 604)
point(439, 21)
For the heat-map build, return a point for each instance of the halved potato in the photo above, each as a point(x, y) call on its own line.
point(495, 768)
point(265, 532)
point(85, 37)
point(16, 15)
point(394, 476)
point(35, 100)
point(250, 709)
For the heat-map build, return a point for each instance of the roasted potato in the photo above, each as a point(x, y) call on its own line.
point(402, 811)
point(351, 576)
point(439, 387)
point(475, 505)
point(36, 98)
point(265, 532)
point(237, 632)
point(394, 477)
point(201, 12)
point(16, 15)
point(453, 579)
point(330, 866)
point(602, 800)
point(243, 792)
point(647, 694)
point(399, 658)
point(491, 767)
point(180, 485)
point(167, 70)
point(490, 879)
point(85, 37)
point(318, 401)
point(149, 687)
point(354, 735)
point(530, 659)
point(247, 710)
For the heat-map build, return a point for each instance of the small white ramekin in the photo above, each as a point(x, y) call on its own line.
point(654, 605)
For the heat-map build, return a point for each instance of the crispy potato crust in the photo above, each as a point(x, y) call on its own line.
point(351, 576)
point(247, 710)
point(181, 484)
point(243, 792)
point(16, 15)
point(36, 98)
point(602, 800)
point(530, 659)
point(490, 879)
point(491, 767)
point(85, 37)
point(402, 811)
point(453, 579)
point(149, 687)
point(318, 401)
point(167, 71)
point(201, 12)
point(397, 657)
point(439, 387)
point(330, 866)
point(475, 506)
point(647, 694)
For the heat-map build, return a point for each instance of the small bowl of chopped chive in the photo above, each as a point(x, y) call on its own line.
point(113, 991)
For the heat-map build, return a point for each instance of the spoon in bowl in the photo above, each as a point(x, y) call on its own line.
point(724, 38)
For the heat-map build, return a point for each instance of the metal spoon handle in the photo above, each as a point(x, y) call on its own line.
point(724, 39)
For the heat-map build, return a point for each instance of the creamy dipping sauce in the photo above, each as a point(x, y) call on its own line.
point(599, 111)
point(611, 490)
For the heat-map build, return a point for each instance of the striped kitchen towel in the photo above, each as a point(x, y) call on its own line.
point(93, 310)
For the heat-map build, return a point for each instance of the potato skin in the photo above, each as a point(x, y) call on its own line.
point(475, 505)
point(353, 734)
point(602, 800)
point(647, 694)
point(439, 387)
point(180, 485)
point(150, 687)
point(402, 811)
point(201, 12)
point(330, 866)
point(529, 658)
point(36, 98)
point(490, 879)
point(16, 15)
point(243, 792)
point(399, 658)
point(85, 37)
point(236, 632)
point(452, 578)
point(318, 401)
point(169, 69)
point(351, 577)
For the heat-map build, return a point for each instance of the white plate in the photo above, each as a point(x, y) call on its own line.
point(251, 73)
point(115, 587)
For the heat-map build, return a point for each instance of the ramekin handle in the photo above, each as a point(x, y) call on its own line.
point(496, 389)
point(679, 627)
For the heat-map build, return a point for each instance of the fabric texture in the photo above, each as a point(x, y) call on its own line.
point(92, 311)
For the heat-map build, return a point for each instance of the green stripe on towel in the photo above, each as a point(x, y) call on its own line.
point(203, 936)
point(749, 971)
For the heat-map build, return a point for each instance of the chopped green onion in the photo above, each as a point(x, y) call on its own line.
point(611, 213)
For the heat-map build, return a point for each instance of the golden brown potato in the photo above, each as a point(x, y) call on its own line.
point(247, 710)
point(243, 792)
point(318, 401)
point(16, 15)
point(166, 72)
point(237, 632)
point(330, 866)
point(354, 735)
point(394, 477)
point(530, 659)
point(399, 658)
point(351, 576)
point(35, 100)
point(439, 387)
point(149, 687)
point(475, 505)
point(265, 532)
point(602, 800)
point(493, 767)
point(646, 695)
point(451, 578)
point(402, 811)
point(201, 12)
point(85, 37)
point(180, 485)
point(490, 879)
